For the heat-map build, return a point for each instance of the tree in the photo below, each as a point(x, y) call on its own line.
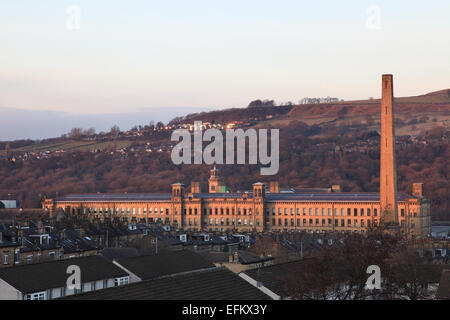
point(115, 131)
point(75, 133)
point(339, 271)
point(89, 132)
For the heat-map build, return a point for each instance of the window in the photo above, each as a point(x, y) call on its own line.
point(362, 212)
point(273, 211)
point(36, 296)
point(375, 212)
point(355, 212)
point(121, 281)
point(6, 258)
point(403, 212)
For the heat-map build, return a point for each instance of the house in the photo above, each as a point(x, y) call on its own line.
point(8, 251)
point(211, 284)
point(163, 264)
point(246, 260)
point(48, 280)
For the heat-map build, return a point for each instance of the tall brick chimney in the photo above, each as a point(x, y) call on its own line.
point(388, 171)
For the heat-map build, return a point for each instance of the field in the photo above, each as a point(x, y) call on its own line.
point(71, 146)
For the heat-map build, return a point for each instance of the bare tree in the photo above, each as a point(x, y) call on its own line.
point(75, 133)
point(115, 131)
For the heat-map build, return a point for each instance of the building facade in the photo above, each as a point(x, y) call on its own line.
point(258, 210)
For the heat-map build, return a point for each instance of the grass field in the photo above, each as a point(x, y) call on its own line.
point(71, 146)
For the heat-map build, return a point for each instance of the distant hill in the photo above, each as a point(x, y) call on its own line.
point(412, 114)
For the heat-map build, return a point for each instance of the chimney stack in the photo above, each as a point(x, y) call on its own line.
point(195, 187)
point(336, 188)
point(388, 171)
point(418, 190)
point(274, 187)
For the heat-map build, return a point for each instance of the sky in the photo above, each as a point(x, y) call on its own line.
point(124, 56)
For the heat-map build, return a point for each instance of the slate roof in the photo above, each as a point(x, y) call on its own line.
point(287, 196)
point(443, 292)
point(119, 253)
point(273, 277)
point(214, 284)
point(247, 257)
point(330, 197)
point(48, 275)
point(115, 197)
point(165, 263)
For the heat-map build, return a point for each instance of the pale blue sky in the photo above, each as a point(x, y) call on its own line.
point(129, 55)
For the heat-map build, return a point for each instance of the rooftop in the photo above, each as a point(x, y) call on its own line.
point(285, 196)
point(165, 263)
point(214, 284)
point(42, 276)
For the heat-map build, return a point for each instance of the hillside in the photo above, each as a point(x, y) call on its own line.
point(320, 145)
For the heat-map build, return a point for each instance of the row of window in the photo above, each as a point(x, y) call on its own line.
point(85, 287)
point(355, 212)
point(323, 222)
point(325, 212)
point(225, 222)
